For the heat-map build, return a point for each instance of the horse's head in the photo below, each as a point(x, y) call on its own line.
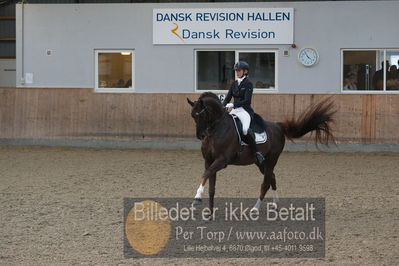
point(205, 111)
point(198, 110)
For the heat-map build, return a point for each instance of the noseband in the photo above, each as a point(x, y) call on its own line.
point(200, 112)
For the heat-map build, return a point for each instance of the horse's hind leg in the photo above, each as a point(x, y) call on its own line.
point(267, 177)
point(269, 180)
point(273, 184)
point(274, 188)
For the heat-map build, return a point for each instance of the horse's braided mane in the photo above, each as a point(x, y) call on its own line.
point(213, 100)
point(210, 95)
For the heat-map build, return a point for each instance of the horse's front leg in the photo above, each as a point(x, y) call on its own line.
point(210, 173)
point(212, 189)
point(201, 188)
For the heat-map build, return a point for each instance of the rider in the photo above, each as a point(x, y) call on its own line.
point(241, 90)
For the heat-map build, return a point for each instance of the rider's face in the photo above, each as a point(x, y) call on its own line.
point(239, 73)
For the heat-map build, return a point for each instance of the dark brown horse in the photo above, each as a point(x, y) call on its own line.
point(220, 142)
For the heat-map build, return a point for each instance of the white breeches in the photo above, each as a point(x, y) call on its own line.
point(244, 117)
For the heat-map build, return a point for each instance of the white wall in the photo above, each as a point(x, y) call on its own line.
point(73, 31)
point(7, 72)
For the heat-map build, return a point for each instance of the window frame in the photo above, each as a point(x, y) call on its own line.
point(236, 54)
point(384, 91)
point(113, 90)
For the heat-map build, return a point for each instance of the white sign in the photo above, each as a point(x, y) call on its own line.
point(223, 26)
point(28, 78)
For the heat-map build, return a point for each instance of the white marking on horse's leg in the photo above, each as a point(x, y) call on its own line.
point(257, 205)
point(200, 190)
point(275, 197)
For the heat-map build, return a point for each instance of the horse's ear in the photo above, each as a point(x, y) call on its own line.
point(190, 102)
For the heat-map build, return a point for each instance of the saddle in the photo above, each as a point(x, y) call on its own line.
point(257, 125)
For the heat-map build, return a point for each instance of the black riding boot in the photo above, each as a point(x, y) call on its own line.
point(250, 138)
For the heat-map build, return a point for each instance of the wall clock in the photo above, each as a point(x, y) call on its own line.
point(308, 56)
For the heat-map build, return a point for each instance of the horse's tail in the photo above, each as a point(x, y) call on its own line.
point(316, 118)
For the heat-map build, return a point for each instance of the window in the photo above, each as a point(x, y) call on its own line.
point(370, 70)
point(392, 78)
point(114, 71)
point(262, 68)
point(214, 69)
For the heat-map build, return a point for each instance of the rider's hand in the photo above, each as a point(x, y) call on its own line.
point(229, 107)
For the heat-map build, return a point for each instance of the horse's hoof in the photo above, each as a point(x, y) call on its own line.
point(254, 210)
point(274, 206)
point(208, 216)
point(197, 201)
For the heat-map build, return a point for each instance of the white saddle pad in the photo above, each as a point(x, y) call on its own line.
point(259, 137)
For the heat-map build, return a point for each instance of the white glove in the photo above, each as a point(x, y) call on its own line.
point(229, 105)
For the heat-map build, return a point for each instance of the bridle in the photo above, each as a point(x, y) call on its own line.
point(203, 110)
point(206, 127)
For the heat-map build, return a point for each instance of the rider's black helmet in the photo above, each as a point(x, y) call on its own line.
point(241, 65)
